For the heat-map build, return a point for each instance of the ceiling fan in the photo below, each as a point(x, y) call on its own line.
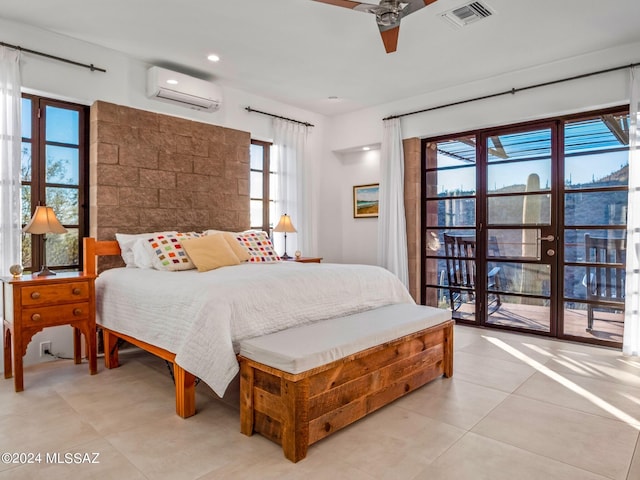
point(388, 15)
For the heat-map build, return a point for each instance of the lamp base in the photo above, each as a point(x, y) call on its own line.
point(285, 256)
point(44, 272)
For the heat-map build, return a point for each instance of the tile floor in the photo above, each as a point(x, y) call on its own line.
point(518, 407)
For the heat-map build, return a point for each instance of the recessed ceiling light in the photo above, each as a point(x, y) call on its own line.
point(366, 149)
point(213, 58)
point(171, 81)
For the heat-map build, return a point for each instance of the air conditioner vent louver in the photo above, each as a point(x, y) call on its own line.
point(184, 90)
point(197, 103)
point(467, 14)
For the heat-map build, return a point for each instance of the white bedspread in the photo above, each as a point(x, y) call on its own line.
point(201, 317)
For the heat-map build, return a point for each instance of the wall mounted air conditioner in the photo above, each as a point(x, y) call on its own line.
point(180, 89)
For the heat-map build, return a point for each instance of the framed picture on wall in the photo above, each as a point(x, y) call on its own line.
point(365, 200)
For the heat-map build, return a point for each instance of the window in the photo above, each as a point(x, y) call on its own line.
point(262, 186)
point(54, 172)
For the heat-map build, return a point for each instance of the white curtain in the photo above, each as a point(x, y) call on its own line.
point(10, 146)
point(293, 191)
point(392, 231)
point(631, 340)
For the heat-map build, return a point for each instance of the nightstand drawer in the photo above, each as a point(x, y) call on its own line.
point(56, 315)
point(51, 294)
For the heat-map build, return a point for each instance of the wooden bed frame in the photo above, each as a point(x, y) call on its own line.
point(185, 382)
point(435, 344)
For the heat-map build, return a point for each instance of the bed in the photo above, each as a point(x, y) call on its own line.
point(195, 320)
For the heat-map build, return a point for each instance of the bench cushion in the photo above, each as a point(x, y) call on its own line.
point(299, 349)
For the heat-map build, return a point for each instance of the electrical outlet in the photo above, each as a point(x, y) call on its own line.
point(45, 348)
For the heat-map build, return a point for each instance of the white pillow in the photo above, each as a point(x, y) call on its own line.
point(127, 241)
point(142, 254)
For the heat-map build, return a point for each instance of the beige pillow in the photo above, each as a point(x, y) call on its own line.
point(210, 252)
point(213, 232)
point(241, 252)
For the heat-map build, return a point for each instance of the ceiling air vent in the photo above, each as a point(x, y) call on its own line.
point(467, 14)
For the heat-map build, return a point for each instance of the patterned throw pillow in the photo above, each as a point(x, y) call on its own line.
point(169, 253)
point(259, 246)
point(127, 243)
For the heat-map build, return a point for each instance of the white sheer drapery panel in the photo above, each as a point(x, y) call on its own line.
point(631, 339)
point(293, 192)
point(10, 148)
point(392, 230)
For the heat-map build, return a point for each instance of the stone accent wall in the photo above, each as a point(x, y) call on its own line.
point(152, 172)
point(412, 197)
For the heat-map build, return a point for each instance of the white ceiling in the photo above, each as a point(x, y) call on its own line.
point(301, 52)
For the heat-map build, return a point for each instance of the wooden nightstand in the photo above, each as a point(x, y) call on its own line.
point(34, 303)
point(305, 259)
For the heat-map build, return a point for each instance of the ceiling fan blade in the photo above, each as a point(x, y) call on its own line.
point(415, 5)
point(390, 38)
point(347, 3)
point(388, 15)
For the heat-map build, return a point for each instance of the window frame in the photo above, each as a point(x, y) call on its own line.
point(266, 173)
point(38, 181)
point(430, 283)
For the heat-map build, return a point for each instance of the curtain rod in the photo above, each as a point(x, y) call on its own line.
point(513, 91)
point(53, 57)
point(306, 124)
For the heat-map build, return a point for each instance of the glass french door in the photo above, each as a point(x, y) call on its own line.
point(523, 227)
point(595, 174)
point(519, 231)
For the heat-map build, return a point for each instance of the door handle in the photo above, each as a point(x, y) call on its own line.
point(548, 238)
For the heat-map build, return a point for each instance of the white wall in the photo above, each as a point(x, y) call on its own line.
point(348, 239)
point(364, 127)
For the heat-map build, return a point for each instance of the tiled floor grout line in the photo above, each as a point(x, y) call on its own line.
point(636, 453)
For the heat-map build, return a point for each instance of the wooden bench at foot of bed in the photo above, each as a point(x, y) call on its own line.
point(300, 385)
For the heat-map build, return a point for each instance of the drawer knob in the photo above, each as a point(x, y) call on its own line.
point(35, 295)
point(77, 311)
point(36, 317)
point(76, 291)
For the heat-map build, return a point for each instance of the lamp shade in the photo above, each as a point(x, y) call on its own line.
point(44, 220)
point(285, 225)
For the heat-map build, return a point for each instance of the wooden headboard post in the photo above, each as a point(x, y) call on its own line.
point(93, 249)
point(89, 255)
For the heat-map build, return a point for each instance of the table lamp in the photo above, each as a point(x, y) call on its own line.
point(285, 226)
point(44, 221)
